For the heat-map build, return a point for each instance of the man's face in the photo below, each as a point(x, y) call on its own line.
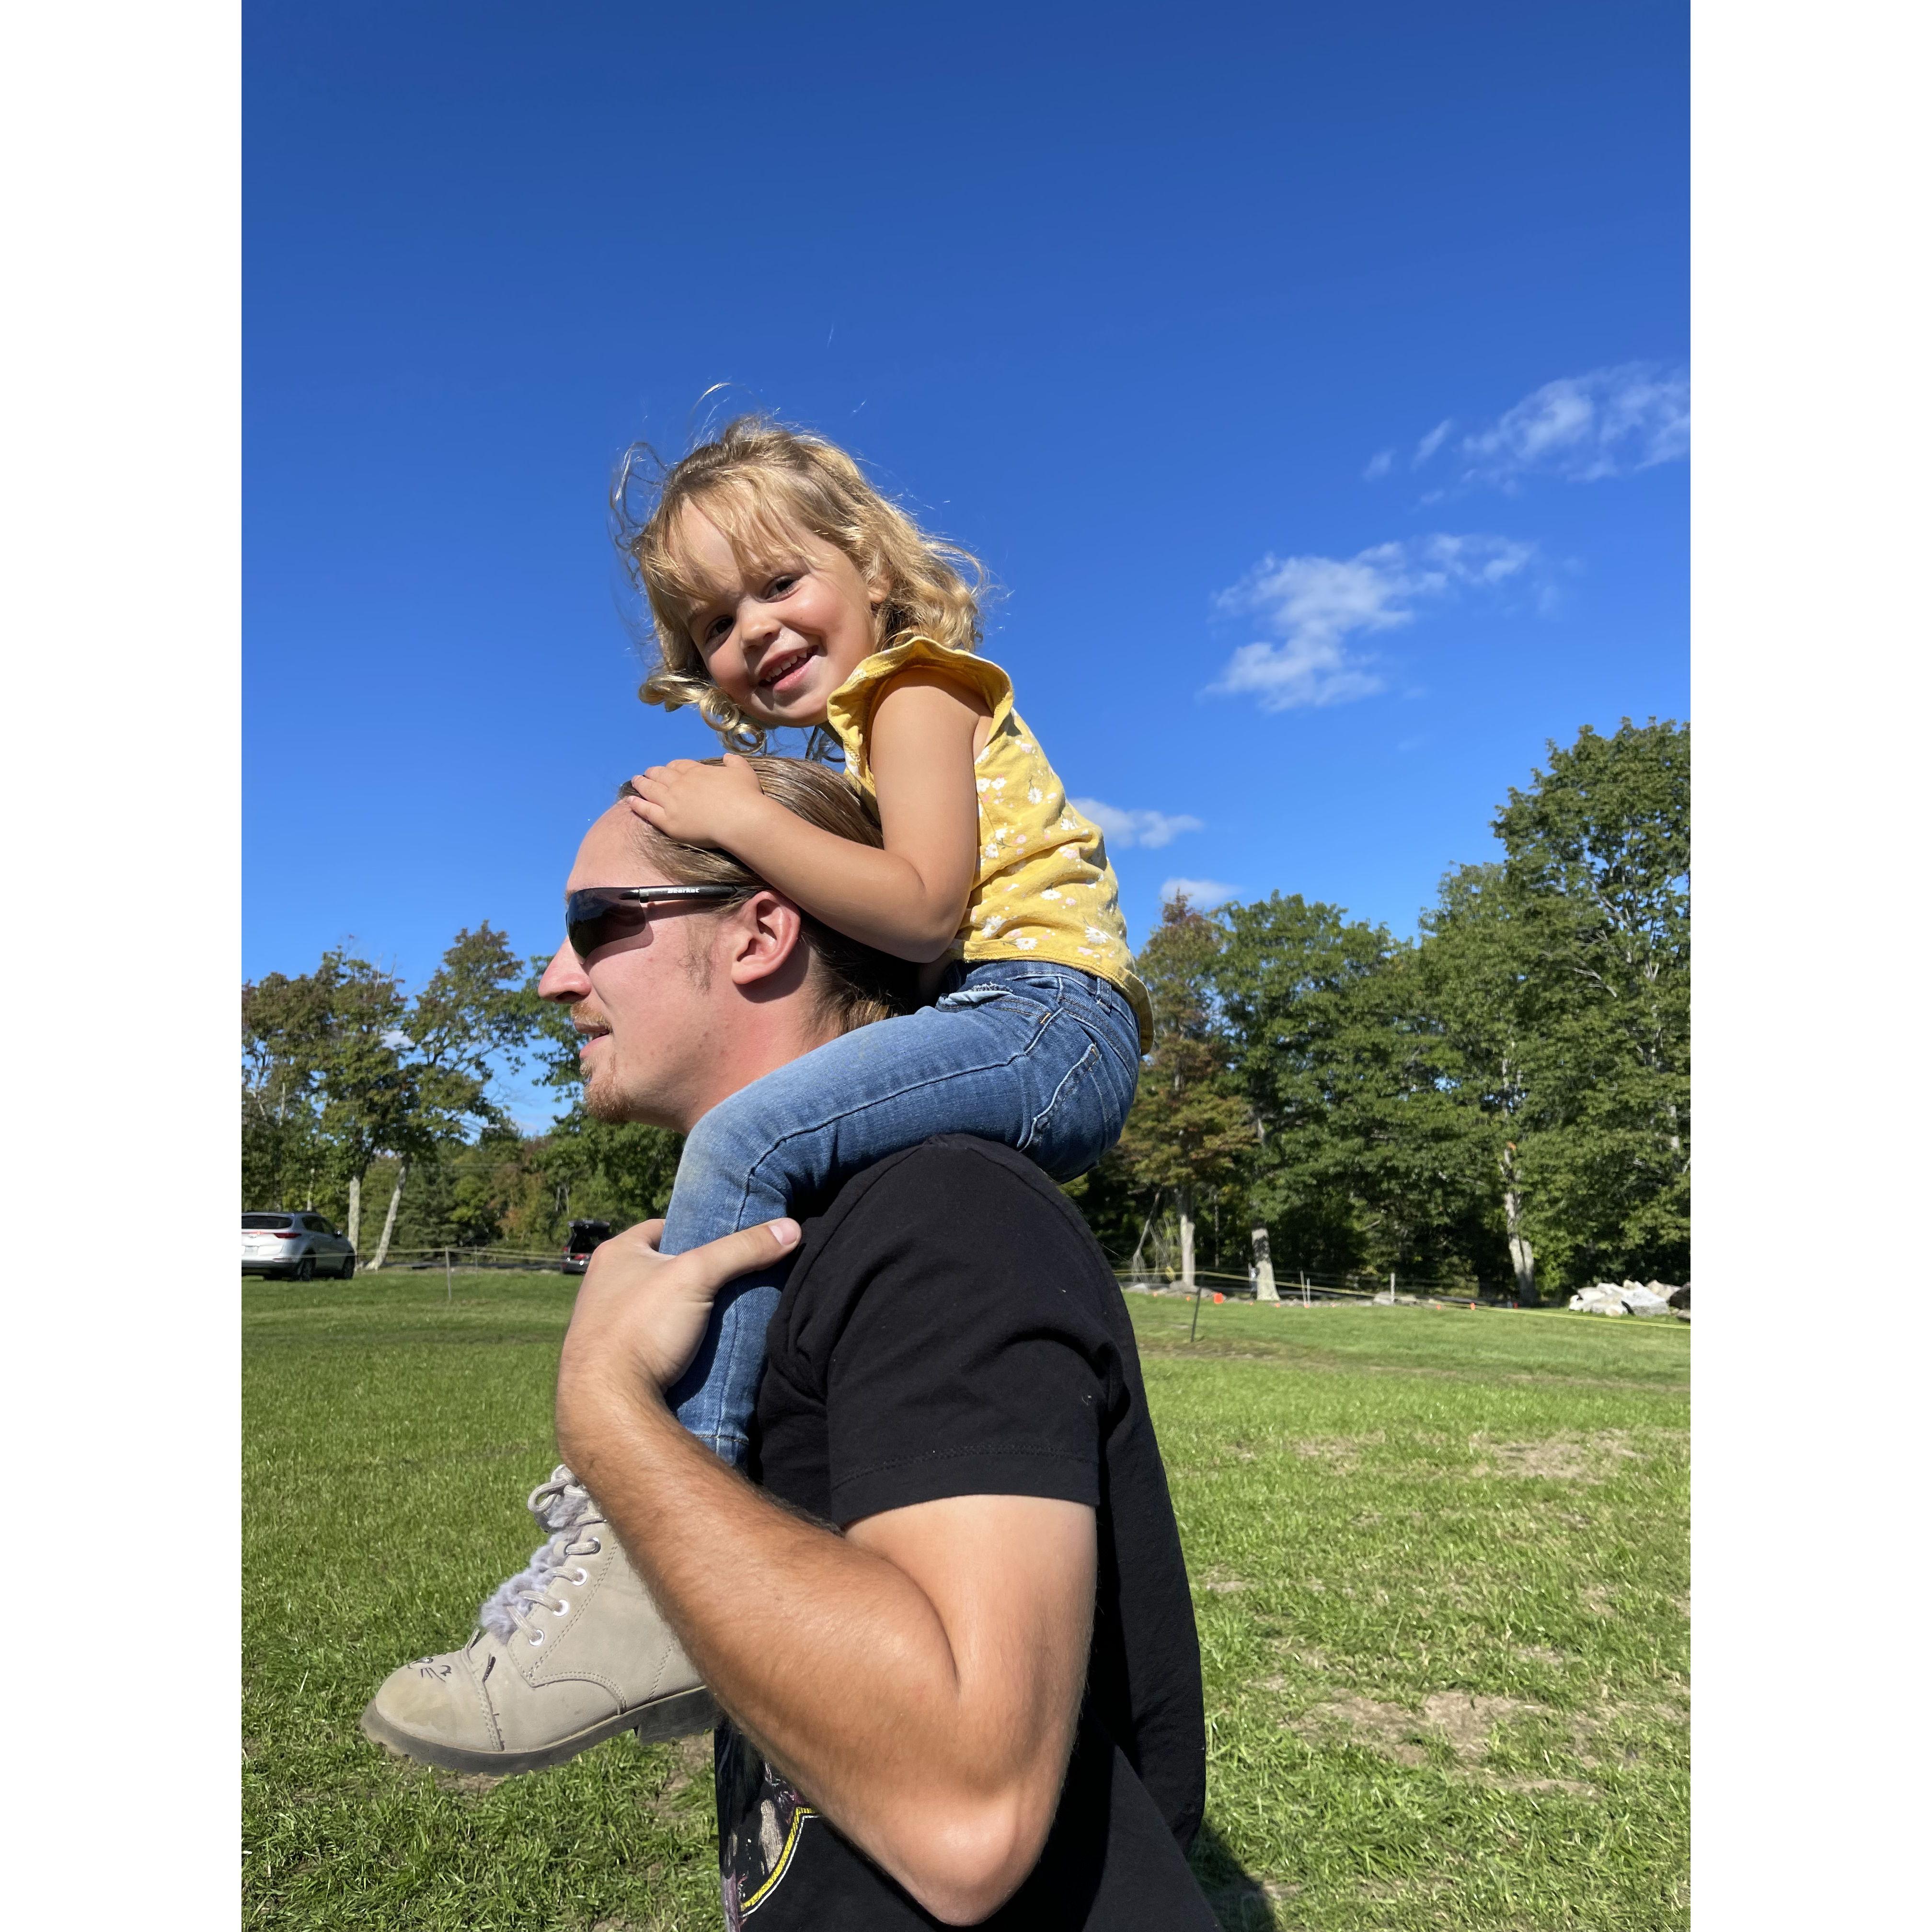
point(643, 1005)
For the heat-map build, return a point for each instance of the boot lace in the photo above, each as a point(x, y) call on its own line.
point(562, 1505)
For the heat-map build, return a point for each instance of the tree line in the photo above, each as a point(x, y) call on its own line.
point(1500, 1104)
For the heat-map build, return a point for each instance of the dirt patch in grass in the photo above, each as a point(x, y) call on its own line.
point(471, 1783)
point(1562, 1458)
point(1342, 1453)
point(1461, 1719)
point(691, 1758)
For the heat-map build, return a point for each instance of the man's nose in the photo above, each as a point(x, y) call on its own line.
point(564, 978)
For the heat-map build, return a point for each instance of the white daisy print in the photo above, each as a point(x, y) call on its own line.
point(1026, 945)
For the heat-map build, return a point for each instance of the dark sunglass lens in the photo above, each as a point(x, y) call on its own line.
point(593, 921)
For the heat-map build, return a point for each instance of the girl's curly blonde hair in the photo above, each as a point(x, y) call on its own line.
point(760, 483)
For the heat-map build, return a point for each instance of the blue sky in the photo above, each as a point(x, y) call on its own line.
point(1163, 311)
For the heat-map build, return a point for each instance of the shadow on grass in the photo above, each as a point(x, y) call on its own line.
point(1240, 1900)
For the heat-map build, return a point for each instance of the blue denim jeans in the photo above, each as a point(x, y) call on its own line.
point(1043, 1057)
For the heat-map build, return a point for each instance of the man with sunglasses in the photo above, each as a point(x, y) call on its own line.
point(950, 1624)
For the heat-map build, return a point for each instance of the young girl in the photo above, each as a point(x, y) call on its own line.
point(787, 591)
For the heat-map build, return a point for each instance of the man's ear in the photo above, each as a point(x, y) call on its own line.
point(767, 942)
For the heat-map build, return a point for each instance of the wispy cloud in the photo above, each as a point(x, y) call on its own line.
point(1432, 442)
point(1314, 607)
point(1204, 894)
point(1152, 829)
point(1612, 421)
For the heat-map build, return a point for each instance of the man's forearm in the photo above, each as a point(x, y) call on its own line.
point(830, 1658)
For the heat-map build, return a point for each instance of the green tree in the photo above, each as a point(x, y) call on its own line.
point(1189, 1130)
point(1598, 874)
point(1478, 981)
point(476, 1015)
point(1366, 1163)
point(371, 1097)
point(283, 1024)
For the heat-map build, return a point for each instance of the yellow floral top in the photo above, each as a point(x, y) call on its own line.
point(1044, 889)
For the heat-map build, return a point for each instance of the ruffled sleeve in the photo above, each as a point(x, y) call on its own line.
point(848, 712)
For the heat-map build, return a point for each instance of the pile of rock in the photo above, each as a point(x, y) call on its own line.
point(1631, 1298)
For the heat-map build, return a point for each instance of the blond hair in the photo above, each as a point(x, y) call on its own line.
point(760, 483)
point(854, 984)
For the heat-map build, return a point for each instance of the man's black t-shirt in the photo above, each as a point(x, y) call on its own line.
point(951, 1328)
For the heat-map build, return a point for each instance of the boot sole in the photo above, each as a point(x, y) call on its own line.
point(681, 1716)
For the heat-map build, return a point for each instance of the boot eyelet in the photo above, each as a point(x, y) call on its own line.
point(563, 1608)
point(582, 1577)
point(595, 1545)
point(536, 1637)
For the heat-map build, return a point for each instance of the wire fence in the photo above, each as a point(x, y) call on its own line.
point(1307, 1287)
point(1304, 1286)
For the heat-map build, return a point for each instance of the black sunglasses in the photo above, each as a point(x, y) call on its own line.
point(600, 915)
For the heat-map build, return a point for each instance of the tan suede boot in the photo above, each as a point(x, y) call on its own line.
point(570, 1652)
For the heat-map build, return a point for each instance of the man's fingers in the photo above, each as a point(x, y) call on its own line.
point(648, 1232)
point(718, 1261)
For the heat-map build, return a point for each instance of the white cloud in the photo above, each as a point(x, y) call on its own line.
point(1379, 465)
point(396, 1038)
point(1432, 442)
point(1609, 422)
point(1314, 606)
point(1152, 829)
point(1203, 894)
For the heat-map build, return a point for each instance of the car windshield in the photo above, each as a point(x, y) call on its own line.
point(267, 1220)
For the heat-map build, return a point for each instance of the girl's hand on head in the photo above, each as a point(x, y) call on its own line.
point(697, 804)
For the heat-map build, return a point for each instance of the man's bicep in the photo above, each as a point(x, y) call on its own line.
point(1011, 1580)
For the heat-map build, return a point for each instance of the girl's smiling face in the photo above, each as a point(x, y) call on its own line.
point(779, 636)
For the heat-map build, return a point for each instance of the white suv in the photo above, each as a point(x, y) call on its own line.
point(301, 1245)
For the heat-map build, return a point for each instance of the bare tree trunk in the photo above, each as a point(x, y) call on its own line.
point(1264, 1288)
point(354, 1230)
point(389, 1219)
point(1184, 1201)
point(1522, 1256)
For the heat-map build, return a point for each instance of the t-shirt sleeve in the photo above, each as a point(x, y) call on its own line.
point(850, 710)
point(968, 1363)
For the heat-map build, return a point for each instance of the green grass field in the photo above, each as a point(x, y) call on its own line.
point(1440, 1561)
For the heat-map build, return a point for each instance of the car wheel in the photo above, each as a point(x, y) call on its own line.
point(347, 1268)
point(305, 1268)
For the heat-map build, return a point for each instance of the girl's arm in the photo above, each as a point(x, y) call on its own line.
point(907, 900)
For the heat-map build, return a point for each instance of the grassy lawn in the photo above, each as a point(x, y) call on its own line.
point(1441, 1566)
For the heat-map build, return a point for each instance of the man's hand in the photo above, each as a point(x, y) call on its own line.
point(699, 804)
point(641, 1315)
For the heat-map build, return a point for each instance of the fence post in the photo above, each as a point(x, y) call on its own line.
point(448, 1280)
point(1264, 1289)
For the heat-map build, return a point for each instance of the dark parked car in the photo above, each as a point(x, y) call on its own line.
point(585, 1237)
point(302, 1246)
